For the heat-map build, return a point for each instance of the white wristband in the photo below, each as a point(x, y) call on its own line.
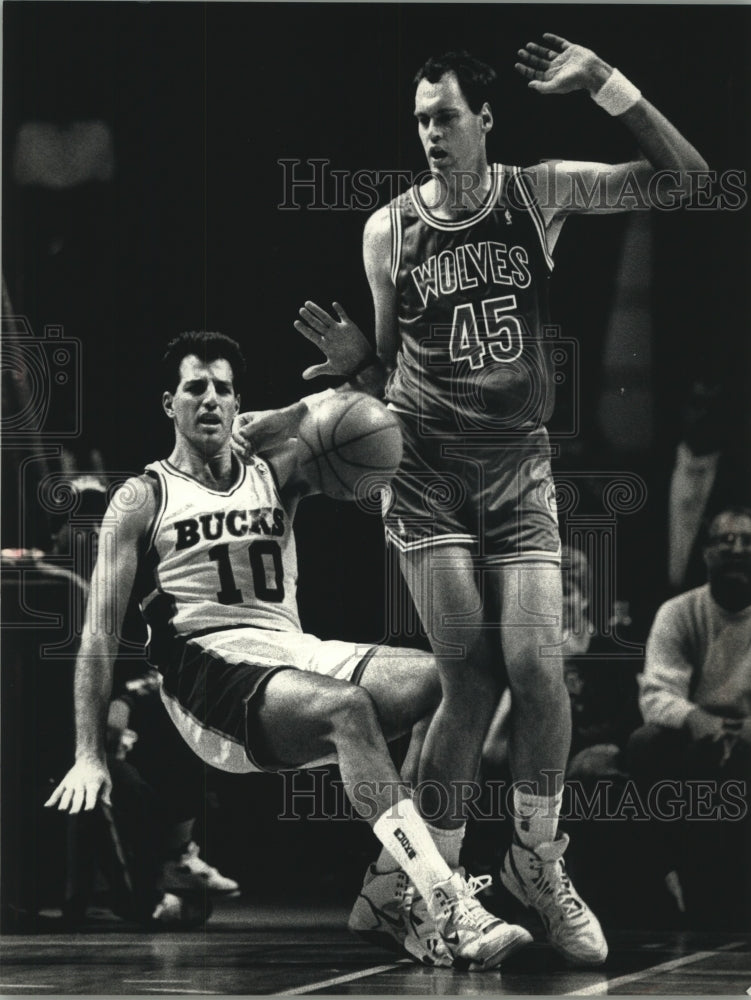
point(316, 398)
point(617, 94)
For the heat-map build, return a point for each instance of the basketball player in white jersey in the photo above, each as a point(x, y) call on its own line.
point(205, 544)
point(458, 269)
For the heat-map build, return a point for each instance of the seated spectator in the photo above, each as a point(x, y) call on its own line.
point(696, 703)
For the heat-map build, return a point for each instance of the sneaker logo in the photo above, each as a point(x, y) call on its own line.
point(382, 915)
point(404, 840)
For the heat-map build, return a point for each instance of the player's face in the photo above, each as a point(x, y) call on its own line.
point(204, 404)
point(452, 135)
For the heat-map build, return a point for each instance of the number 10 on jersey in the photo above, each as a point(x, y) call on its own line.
point(502, 335)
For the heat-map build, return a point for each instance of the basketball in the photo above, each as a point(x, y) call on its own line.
point(345, 438)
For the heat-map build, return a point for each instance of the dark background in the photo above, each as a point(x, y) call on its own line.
point(203, 100)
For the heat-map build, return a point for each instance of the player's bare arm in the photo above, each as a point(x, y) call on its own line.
point(377, 261)
point(561, 67)
point(266, 432)
point(284, 460)
point(123, 531)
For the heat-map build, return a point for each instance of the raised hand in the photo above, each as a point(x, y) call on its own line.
point(560, 67)
point(83, 786)
point(341, 340)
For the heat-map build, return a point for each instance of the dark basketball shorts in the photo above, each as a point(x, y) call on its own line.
point(495, 497)
point(212, 682)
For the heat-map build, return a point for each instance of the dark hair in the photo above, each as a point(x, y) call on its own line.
point(206, 346)
point(475, 77)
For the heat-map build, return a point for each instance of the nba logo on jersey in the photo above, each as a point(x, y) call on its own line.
point(507, 217)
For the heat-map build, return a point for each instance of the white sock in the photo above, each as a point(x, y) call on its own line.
point(448, 842)
point(536, 817)
point(403, 833)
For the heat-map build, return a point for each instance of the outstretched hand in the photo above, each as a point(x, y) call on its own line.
point(560, 67)
point(83, 786)
point(341, 340)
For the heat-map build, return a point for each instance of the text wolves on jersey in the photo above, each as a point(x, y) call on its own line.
point(237, 523)
point(463, 267)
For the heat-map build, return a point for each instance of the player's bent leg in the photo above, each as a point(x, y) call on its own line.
point(534, 870)
point(405, 686)
point(298, 715)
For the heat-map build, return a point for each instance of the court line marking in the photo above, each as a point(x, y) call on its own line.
point(350, 977)
point(156, 982)
point(166, 989)
point(27, 986)
point(602, 989)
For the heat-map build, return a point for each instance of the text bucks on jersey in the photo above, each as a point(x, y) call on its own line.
point(220, 559)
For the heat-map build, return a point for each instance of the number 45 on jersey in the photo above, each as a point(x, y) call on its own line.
point(502, 337)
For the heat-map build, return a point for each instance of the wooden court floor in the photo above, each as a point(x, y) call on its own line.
point(251, 950)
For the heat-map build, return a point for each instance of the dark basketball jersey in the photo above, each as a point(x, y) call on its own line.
point(472, 304)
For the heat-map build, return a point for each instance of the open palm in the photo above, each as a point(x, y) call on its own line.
point(557, 67)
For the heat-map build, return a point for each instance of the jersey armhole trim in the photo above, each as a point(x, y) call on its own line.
point(157, 477)
point(274, 478)
point(396, 239)
point(535, 214)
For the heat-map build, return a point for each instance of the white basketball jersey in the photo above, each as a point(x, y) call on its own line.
point(219, 559)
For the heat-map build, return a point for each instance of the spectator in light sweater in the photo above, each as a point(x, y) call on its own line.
point(696, 703)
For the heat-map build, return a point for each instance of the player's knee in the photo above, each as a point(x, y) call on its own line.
point(476, 690)
point(352, 713)
point(535, 676)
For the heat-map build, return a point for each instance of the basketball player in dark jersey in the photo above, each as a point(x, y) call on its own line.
point(205, 543)
point(458, 269)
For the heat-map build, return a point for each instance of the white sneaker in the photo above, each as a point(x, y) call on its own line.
point(476, 939)
point(191, 874)
point(423, 941)
point(177, 911)
point(390, 912)
point(539, 880)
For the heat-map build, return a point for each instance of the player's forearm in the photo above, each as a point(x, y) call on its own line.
point(371, 378)
point(91, 692)
point(660, 141)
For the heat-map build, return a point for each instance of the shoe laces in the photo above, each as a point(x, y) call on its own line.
point(402, 892)
point(466, 908)
point(554, 886)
